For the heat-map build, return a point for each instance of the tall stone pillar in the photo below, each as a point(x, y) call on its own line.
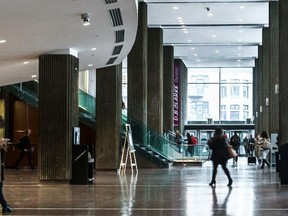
point(255, 97)
point(155, 80)
point(274, 66)
point(58, 114)
point(137, 75)
point(265, 79)
point(168, 72)
point(180, 95)
point(260, 89)
point(283, 68)
point(108, 116)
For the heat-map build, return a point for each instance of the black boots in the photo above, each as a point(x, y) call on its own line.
point(7, 210)
point(212, 183)
point(230, 183)
point(265, 162)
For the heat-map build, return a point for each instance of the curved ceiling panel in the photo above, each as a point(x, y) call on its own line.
point(34, 27)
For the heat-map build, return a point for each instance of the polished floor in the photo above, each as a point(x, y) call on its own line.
point(175, 191)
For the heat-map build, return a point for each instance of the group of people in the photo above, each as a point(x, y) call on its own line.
point(191, 142)
point(220, 154)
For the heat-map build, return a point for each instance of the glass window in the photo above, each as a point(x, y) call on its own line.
point(226, 89)
point(223, 91)
point(234, 115)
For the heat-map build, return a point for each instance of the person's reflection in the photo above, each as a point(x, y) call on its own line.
point(220, 208)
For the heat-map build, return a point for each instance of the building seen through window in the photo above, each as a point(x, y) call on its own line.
point(221, 94)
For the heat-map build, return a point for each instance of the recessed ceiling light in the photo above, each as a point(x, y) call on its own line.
point(240, 31)
point(217, 51)
point(90, 65)
point(192, 48)
point(186, 32)
point(239, 54)
point(214, 36)
point(179, 18)
point(26, 62)
point(241, 20)
point(239, 40)
point(239, 60)
point(34, 76)
point(239, 47)
point(195, 54)
point(175, 8)
point(2, 41)
point(210, 14)
point(93, 49)
point(242, 7)
point(189, 40)
point(198, 60)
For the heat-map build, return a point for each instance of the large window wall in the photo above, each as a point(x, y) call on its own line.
point(221, 95)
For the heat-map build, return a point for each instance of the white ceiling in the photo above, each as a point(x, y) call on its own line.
point(227, 38)
point(35, 27)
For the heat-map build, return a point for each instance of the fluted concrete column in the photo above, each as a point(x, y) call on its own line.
point(58, 114)
point(137, 75)
point(180, 95)
point(283, 75)
point(108, 117)
point(265, 79)
point(168, 72)
point(255, 96)
point(260, 89)
point(274, 66)
point(155, 80)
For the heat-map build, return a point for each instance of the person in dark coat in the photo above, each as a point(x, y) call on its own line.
point(219, 155)
point(25, 148)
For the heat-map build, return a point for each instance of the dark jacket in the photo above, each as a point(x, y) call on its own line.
point(219, 149)
point(24, 144)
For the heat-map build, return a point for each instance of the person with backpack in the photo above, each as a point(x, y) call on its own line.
point(235, 143)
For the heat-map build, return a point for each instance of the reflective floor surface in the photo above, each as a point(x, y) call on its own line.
point(177, 191)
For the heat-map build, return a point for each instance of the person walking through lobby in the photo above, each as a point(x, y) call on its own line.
point(25, 149)
point(265, 146)
point(219, 155)
point(235, 142)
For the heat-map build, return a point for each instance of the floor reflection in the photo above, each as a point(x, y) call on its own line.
point(128, 193)
point(220, 207)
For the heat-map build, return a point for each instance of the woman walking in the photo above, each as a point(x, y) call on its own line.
point(264, 145)
point(220, 155)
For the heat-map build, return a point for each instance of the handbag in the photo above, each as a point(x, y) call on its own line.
point(232, 153)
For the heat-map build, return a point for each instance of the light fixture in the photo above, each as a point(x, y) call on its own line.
point(2, 41)
point(86, 18)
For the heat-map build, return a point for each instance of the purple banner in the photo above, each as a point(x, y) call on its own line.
point(176, 95)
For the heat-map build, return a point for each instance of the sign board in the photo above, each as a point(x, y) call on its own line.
point(130, 139)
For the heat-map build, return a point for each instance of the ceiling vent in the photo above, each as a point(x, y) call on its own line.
point(117, 50)
point(111, 1)
point(119, 36)
point(116, 18)
point(111, 60)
